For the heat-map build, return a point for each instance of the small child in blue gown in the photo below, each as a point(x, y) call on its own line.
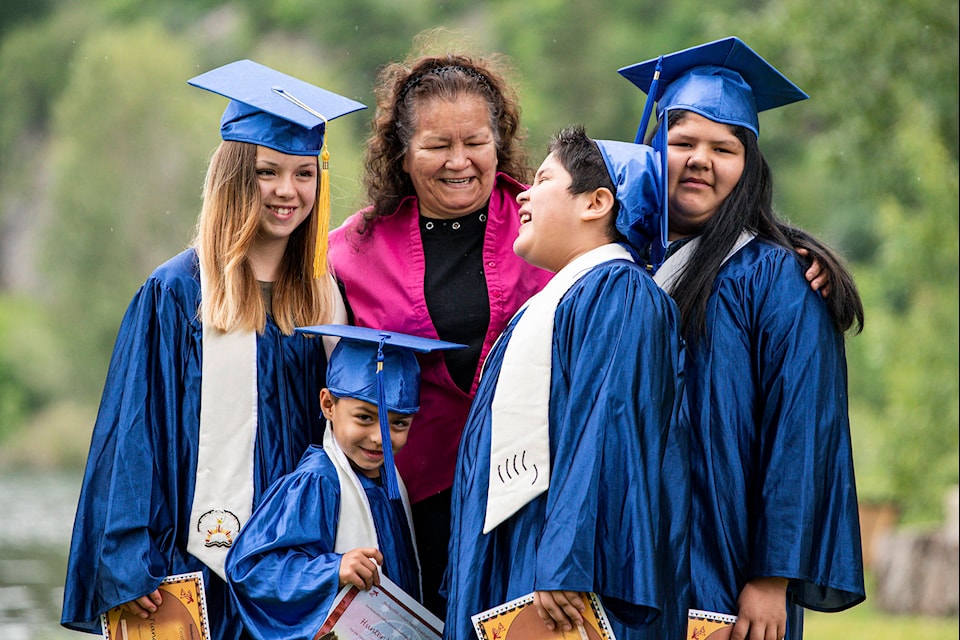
point(342, 516)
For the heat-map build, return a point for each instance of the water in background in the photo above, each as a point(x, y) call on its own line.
point(36, 518)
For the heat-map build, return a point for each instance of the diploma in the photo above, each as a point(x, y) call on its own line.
point(182, 614)
point(519, 619)
point(709, 625)
point(385, 612)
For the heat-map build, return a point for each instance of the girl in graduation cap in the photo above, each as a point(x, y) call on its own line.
point(774, 522)
point(210, 395)
point(343, 516)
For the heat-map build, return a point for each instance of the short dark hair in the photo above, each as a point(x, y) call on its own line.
point(581, 157)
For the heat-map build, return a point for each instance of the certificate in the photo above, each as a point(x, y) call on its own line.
point(182, 615)
point(704, 625)
point(519, 620)
point(385, 612)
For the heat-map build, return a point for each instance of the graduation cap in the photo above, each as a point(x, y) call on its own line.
point(274, 110)
point(639, 173)
point(724, 80)
point(379, 367)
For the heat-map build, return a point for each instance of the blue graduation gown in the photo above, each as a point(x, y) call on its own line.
point(772, 468)
point(601, 525)
point(133, 516)
point(282, 569)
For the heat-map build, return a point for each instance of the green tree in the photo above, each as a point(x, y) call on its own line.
point(569, 52)
point(128, 168)
point(877, 174)
point(908, 365)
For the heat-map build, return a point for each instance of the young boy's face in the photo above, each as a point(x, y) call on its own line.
point(548, 218)
point(356, 426)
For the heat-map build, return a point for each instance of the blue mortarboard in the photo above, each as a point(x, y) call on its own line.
point(272, 109)
point(379, 367)
point(639, 173)
point(724, 80)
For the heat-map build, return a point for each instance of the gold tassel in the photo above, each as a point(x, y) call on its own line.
point(323, 191)
point(323, 214)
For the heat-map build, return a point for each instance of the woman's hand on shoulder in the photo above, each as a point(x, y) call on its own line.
point(360, 567)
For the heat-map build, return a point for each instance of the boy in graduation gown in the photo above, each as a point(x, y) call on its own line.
point(566, 458)
point(343, 515)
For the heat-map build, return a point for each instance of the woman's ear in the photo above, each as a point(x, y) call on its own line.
point(599, 203)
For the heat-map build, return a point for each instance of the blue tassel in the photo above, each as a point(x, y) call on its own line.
point(648, 105)
point(389, 471)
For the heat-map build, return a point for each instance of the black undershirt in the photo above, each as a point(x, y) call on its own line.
point(455, 288)
point(266, 292)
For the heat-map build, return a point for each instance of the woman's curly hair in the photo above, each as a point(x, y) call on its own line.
point(403, 86)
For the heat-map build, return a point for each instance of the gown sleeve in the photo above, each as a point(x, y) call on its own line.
point(807, 525)
point(615, 372)
point(282, 570)
point(771, 404)
point(124, 533)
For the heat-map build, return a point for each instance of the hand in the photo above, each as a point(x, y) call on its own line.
point(144, 606)
point(762, 610)
point(563, 609)
point(359, 568)
point(816, 275)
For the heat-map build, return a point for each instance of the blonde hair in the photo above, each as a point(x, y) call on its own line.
point(228, 225)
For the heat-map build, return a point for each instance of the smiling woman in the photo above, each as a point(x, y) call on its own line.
point(288, 193)
point(452, 157)
point(432, 254)
point(705, 162)
point(765, 369)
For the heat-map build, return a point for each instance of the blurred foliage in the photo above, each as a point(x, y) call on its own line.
point(125, 192)
point(31, 373)
point(103, 147)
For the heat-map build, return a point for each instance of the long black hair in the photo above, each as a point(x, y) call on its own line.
point(750, 207)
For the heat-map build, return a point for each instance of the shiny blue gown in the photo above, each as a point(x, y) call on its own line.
point(612, 520)
point(772, 469)
point(282, 568)
point(133, 515)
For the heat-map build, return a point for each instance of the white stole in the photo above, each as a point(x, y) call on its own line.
point(670, 271)
point(355, 526)
point(223, 489)
point(520, 427)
